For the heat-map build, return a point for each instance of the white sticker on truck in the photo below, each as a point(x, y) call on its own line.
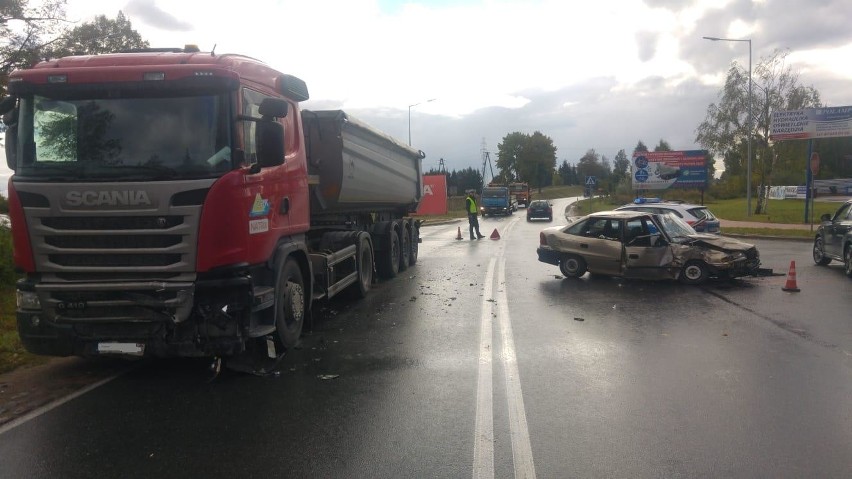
point(258, 226)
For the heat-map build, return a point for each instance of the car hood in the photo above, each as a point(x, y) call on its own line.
point(720, 243)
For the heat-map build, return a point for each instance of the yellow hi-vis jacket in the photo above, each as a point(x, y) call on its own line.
point(471, 205)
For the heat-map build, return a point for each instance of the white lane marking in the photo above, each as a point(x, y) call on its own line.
point(483, 445)
point(521, 450)
point(54, 404)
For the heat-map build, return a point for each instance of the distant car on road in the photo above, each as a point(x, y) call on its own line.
point(833, 240)
point(540, 209)
point(635, 244)
point(697, 216)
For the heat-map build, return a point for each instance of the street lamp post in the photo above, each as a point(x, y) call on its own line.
point(750, 101)
point(409, 117)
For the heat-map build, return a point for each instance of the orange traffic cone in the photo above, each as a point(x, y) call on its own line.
point(495, 235)
point(791, 279)
point(458, 236)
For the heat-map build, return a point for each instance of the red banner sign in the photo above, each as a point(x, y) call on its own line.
point(434, 200)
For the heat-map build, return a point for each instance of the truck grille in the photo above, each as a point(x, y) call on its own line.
point(120, 241)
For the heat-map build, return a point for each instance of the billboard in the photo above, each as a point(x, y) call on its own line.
point(434, 198)
point(661, 170)
point(825, 122)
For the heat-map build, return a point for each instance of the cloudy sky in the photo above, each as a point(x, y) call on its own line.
point(589, 74)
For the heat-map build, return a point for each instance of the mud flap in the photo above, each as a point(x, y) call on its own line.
point(260, 358)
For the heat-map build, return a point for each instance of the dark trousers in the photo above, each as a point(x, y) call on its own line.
point(474, 225)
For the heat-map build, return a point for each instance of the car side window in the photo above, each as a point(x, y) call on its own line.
point(636, 233)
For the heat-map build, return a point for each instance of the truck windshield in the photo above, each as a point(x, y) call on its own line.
point(124, 138)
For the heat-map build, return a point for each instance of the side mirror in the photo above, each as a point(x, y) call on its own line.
point(825, 217)
point(273, 108)
point(269, 139)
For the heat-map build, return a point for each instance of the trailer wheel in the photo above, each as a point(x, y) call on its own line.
point(365, 266)
point(289, 303)
point(405, 241)
point(388, 263)
point(415, 247)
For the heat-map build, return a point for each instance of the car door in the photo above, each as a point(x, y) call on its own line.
point(841, 223)
point(646, 254)
point(600, 245)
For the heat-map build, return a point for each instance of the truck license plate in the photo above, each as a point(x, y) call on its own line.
point(133, 349)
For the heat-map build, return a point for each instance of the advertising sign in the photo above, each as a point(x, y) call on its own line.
point(434, 199)
point(826, 122)
point(660, 170)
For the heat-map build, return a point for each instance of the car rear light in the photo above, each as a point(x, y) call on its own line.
point(690, 222)
point(542, 241)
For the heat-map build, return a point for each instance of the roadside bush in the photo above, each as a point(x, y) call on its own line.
point(7, 265)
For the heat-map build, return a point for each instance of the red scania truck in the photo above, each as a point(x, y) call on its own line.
point(171, 202)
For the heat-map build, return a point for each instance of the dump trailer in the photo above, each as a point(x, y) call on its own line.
point(172, 202)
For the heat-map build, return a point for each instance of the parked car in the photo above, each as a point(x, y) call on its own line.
point(833, 240)
point(636, 244)
point(540, 209)
point(697, 216)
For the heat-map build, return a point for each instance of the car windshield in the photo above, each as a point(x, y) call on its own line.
point(675, 227)
point(124, 138)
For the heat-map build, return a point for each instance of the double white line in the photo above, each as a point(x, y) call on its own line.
point(483, 451)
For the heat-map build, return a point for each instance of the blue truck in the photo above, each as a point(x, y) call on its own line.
point(496, 200)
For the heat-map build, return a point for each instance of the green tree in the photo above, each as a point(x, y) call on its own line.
point(621, 167)
point(103, 35)
point(528, 158)
point(640, 147)
point(725, 129)
point(25, 28)
point(663, 146)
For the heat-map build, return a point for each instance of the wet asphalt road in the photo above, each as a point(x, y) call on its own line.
point(481, 361)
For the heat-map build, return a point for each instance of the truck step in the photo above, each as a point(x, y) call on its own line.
point(258, 330)
point(264, 297)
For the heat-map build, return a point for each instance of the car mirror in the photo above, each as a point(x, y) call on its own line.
point(825, 217)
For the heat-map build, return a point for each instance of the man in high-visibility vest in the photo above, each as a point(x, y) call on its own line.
point(472, 216)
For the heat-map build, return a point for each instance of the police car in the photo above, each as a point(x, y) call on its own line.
point(697, 216)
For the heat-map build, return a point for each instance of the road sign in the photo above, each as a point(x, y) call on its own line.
point(814, 163)
point(591, 181)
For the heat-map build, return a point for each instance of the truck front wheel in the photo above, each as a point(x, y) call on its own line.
point(289, 303)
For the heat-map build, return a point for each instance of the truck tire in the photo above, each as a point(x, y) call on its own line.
point(289, 303)
point(364, 263)
point(415, 244)
point(405, 243)
point(388, 260)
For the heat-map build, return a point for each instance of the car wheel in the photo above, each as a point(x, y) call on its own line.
point(694, 272)
point(572, 266)
point(819, 252)
point(847, 261)
point(549, 218)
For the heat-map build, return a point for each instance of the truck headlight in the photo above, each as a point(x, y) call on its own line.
point(27, 300)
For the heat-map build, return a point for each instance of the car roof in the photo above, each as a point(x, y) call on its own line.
point(622, 214)
point(664, 204)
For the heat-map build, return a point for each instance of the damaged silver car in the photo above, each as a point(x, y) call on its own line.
point(635, 244)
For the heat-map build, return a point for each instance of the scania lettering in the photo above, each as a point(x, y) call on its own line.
point(177, 203)
point(110, 198)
